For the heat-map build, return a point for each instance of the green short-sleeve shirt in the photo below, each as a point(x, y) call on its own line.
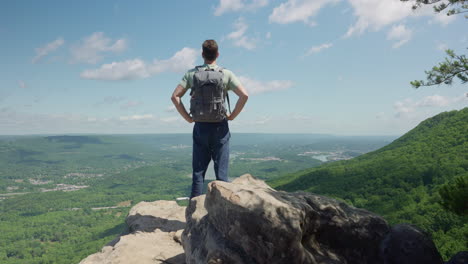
point(229, 79)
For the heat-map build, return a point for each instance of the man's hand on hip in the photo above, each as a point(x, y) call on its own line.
point(176, 99)
point(243, 96)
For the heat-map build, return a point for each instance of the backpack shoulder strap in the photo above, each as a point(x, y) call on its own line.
point(198, 68)
point(220, 69)
point(229, 104)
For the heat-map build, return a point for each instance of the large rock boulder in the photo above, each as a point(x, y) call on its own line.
point(407, 244)
point(459, 258)
point(246, 221)
point(153, 236)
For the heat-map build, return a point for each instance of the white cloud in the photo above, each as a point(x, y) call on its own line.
point(440, 18)
point(239, 37)
point(115, 71)
point(258, 87)
point(377, 14)
point(462, 98)
point(179, 62)
point(254, 122)
point(22, 84)
point(268, 35)
point(301, 117)
point(91, 48)
point(434, 101)
point(262, 120)
point(442, 46)
point(238, 5)
point(33, 122)
point(109, 100)
point(131, 104)
point(400, 34)
point(171, 119)
point(298, 11)
point(228, 5)
point(171, 109)
point(136, 117)
point(317, 49)
point(374, 15)
point(407, 106)
point(138, 69)
point(404, 107)
point(47, 48)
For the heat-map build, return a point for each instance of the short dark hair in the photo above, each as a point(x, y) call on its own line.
point(210, 49)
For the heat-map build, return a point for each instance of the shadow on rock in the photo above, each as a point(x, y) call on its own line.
point(407, 244)
point(174, 260)
point(149, 223)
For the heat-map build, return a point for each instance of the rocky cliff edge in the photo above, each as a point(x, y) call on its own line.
point(248, 222)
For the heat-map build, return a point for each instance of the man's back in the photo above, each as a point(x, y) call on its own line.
point(210, 139)
point(230, 80)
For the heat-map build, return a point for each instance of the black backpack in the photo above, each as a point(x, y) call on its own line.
point(208, 96)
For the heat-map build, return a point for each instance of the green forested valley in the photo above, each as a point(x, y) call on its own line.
point(402, 181)
point(64, 227)
point(63, 197)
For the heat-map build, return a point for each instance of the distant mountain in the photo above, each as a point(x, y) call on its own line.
point(400, 181)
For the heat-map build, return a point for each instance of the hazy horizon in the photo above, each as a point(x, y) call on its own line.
point(189, 133)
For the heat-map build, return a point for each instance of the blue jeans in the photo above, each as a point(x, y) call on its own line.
point(210, 142)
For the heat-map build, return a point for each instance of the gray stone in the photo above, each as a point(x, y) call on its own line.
point(246, 221)
point(459, 258)
point(407, 244)
point(154, 235)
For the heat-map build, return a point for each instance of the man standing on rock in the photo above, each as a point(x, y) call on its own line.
point(209, 86)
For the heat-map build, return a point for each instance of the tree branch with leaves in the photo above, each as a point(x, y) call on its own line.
point(455, 6)
point(454, 66)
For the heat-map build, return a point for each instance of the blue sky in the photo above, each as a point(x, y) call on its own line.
point(318, 66)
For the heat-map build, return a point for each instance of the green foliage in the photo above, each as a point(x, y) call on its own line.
point(401, 180)
point(59, 236)
point(65, 227)
point(453, 66)
point(455, 195)
point(453, 6)
point(39, 226)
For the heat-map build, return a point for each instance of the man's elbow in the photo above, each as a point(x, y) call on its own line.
point(242, 93)
point(174, 98)
point(245, 97)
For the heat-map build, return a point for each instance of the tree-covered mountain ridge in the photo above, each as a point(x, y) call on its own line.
point(401, 180)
